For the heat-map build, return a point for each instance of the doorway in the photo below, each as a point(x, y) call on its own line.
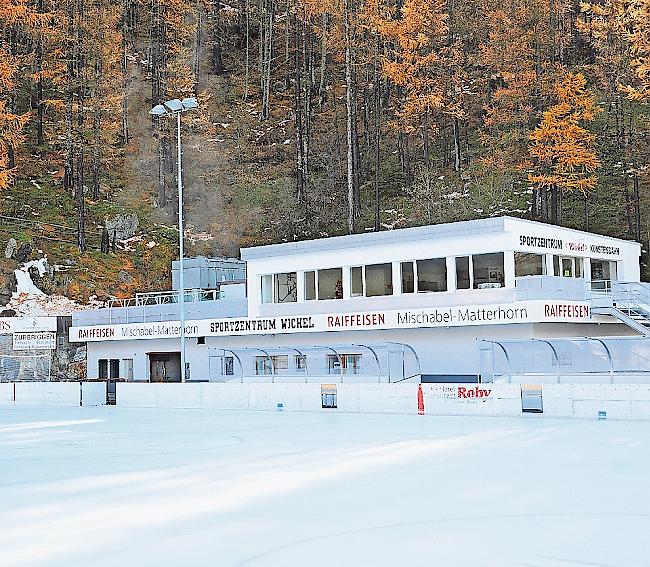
point(164, 366)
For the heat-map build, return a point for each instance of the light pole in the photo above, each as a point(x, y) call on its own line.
point(175, 108)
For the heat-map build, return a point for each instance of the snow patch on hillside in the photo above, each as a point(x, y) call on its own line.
point(29, 300)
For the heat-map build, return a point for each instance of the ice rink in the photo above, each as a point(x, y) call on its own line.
point(105, 486)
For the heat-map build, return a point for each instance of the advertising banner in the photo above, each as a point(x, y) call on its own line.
point(34, 341)
point(534, 311)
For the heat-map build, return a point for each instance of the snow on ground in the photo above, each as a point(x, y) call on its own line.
point(128, 487)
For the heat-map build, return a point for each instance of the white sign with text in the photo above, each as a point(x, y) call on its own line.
point(535, 311)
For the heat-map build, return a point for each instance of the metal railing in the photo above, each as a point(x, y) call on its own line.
point(165, 298)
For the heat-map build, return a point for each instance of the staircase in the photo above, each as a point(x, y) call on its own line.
point(630, 303)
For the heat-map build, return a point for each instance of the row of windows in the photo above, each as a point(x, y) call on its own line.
point(528, 264)
point(109, 369)
point(373, 280)
point(279, 364)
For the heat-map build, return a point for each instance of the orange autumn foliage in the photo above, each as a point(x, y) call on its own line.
point(562, 150)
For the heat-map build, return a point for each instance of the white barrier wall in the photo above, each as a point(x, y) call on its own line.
point(48, 393)
point(6, 393)
point(631, 401)
point(93, 393)
point(293, 397)
point(54, 393)
point(581, 401)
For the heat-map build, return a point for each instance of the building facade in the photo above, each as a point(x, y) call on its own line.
point(407, 304)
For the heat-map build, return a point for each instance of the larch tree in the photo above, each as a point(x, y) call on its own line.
point(561, 148)
point(13, 13)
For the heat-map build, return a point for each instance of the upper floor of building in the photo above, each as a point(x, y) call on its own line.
point(493, 260)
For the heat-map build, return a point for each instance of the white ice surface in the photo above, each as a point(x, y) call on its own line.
point(98, 487)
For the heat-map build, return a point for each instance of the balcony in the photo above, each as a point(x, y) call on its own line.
point(163, 306)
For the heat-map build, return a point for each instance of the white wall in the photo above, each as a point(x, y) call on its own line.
point(93, 393)
point(293, 397)
point(48, 393)
point(53, 393)
point(6, 393)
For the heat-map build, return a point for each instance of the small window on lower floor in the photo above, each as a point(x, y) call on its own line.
point(200, 340)
point(343, 364)
point(103, 369)
point(301, 363)
point(228, 365)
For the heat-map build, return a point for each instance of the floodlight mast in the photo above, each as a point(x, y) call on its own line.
point(169, 109)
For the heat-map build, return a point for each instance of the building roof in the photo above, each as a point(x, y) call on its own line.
point(435, 231)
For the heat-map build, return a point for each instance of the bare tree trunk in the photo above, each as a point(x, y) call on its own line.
point(217, 43)
point(377, 85)
point(79, 141)
point(68, 180)
point(456, 145)
point(322, 92)
point(248, 57)
point(352, 150)
point(125, 70)
point(38, 61)
point(300, 172)
point(267, 54)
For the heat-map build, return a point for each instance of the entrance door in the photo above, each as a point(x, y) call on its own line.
point(165, 366)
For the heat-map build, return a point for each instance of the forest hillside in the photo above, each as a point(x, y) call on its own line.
point(316, 117)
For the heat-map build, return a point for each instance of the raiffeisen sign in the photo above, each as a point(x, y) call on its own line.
point(536, 311)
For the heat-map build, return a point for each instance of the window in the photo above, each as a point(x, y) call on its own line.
point(379, 280)
point(348, 364)
point(228, 365)
point(408, 283)
point(567, 266)
point(276, 364)
point(462, 273)
point(432, 275)
point(115, 369)
point(603, 271)
point(128, 369)
point(200, 340)
point(300, 361)
point(109, 369)
point(310, 286)
point(488, 270)
point(356, 281)
point(263, 365)
point(103, 369)
point(267, 289)
point(527, 264)
point(285, 288)
point(330, 283)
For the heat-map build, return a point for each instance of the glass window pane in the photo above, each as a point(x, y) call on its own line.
point(407, 277)
point(527, 264)
point(103, 369)
point(267, 289)
point(488, 270)
point(578, 273)
point(115, 369)
point(462, 272)
point(356, 276)
point(379, 280)
point(310, 285)
point(567, 267)
point(432, 275)
point(286, 287)
point(556, 265)
point(330, 283)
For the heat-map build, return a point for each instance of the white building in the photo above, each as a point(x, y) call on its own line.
point(387, 306)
